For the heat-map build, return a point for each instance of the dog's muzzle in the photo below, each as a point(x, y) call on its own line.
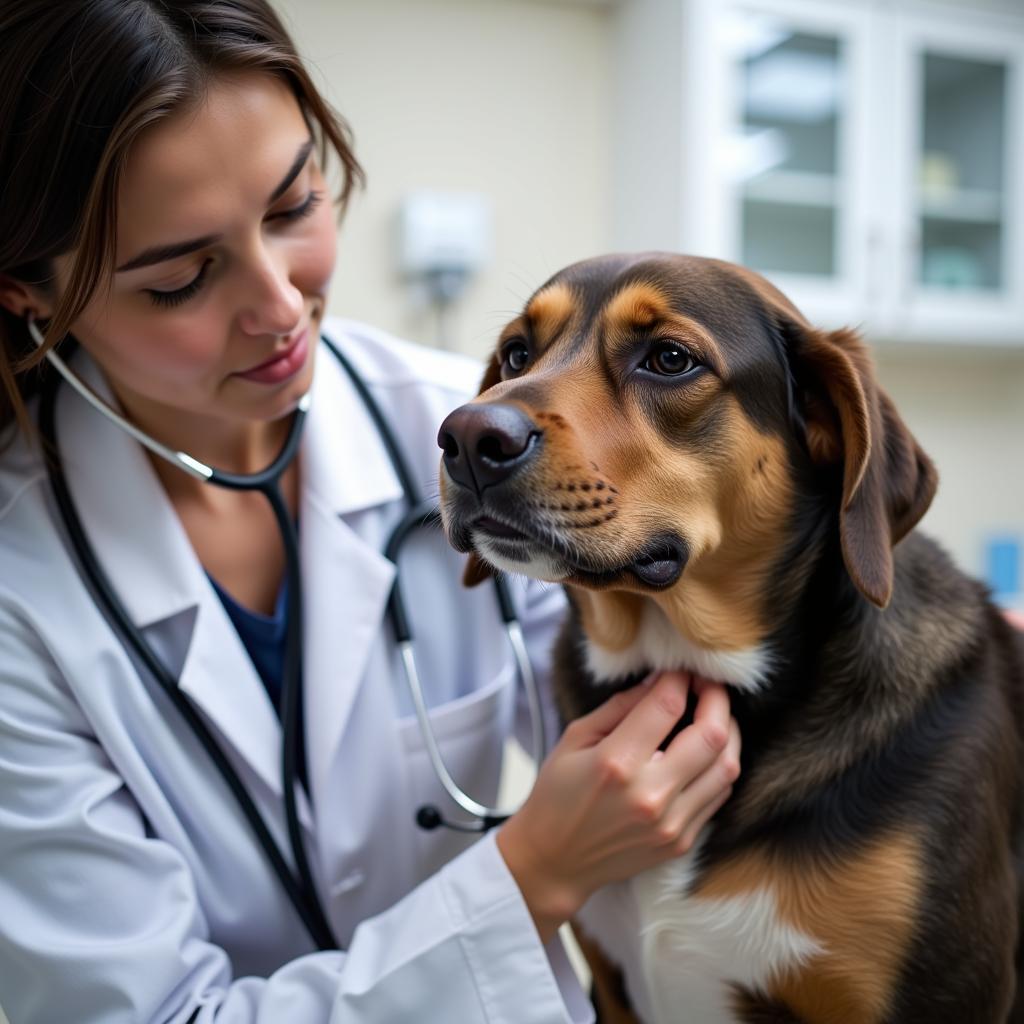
point(497, 508)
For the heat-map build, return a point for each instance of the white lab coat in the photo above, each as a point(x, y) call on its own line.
point(131, 889)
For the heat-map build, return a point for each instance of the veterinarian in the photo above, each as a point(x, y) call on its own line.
point(167, 230)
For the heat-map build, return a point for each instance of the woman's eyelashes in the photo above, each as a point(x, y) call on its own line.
point(304, 209)
point(169, 299)
point(180, 295)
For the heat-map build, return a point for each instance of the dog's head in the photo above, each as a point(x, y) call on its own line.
point(656, 425)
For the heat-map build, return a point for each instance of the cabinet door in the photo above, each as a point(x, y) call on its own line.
point(958, 180)
point(794, 172)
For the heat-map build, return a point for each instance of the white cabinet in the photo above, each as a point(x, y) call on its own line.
point(868, 157)
point(957, 199)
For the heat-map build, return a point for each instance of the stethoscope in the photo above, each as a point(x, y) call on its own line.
point(301, 889)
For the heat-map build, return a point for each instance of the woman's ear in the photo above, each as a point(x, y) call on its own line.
point(888, 481)
point(20, 299)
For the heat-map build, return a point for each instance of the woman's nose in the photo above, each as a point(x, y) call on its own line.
point(271, 303)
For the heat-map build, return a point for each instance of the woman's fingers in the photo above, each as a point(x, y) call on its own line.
point(677, 790)
point(688, 837)
point(712, 706)
point(697, 747)
point(694, 805)
point(1015, 618)
point(608, 803)
point(718, 776)
point(592, 728)
point(645, 727)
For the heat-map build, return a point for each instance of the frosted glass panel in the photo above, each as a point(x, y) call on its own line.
point(789, 239)
point(792, 105)
point(960, 173)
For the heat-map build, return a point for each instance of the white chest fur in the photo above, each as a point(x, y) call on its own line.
point(658, 646)
point(682, 955)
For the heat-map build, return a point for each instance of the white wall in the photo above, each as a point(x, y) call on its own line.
point(506, 97)
point(967, 411)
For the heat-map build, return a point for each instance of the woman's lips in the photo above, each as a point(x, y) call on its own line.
point(285, 364)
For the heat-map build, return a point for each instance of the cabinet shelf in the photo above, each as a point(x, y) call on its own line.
point(971, 206)
point(793, 188)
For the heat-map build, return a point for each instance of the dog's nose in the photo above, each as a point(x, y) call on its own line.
point(486, 444)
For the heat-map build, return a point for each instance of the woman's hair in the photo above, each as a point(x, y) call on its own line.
point(80, 80)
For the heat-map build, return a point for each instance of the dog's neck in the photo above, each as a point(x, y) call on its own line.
point(629, 634)
point(742, 628)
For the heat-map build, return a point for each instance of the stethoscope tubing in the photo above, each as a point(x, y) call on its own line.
point(299, 886)
point(424, 513)
point(301, 891)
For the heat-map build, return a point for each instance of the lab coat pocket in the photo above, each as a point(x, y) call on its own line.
point(470, 732)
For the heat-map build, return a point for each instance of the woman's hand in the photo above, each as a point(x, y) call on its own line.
point(608, 804)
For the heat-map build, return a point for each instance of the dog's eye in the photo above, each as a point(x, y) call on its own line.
point(515, 356)
point(670, 360)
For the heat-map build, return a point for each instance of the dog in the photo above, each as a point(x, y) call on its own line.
point(722, 488)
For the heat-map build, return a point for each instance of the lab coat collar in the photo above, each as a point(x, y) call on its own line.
point(345, 466)
point(346, 462)
point(138, 539)
point(145, 553)
point(147, 556)
point(346, 580)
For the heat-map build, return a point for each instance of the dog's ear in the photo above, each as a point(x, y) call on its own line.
point(477, 570)
point(888, 481)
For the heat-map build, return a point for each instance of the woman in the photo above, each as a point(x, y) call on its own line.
point(166, 222)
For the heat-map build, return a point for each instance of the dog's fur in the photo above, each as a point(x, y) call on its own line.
point(867, 868)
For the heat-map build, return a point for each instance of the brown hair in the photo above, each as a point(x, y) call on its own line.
point(80, 80)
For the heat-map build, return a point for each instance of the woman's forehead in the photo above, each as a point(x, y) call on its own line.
point(193, 169)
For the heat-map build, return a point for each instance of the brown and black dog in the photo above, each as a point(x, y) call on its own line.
point(724, 489)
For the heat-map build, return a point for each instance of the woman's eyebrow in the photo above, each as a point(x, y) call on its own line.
point(161, 253)
point(293, 172)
